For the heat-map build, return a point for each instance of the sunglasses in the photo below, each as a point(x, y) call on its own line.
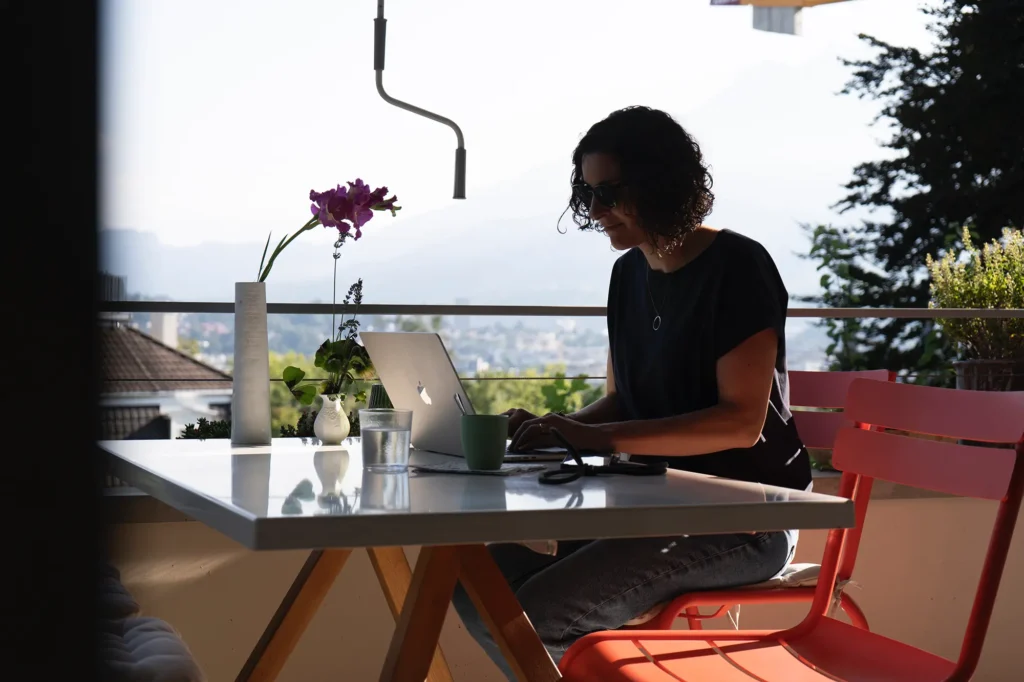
point(606, 195)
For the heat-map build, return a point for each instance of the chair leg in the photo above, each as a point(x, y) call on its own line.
point(854, 611)
point(691, 622)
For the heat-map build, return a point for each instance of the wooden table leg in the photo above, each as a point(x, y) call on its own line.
point(426, 605)
point(293, 615)
point(395, 576)
point(504, 616)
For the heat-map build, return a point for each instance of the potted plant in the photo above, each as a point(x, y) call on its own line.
point(203, 429)
point(992, 277)
point(342, 357)
point(303, 426)
point(344, 208)
point(346, 362)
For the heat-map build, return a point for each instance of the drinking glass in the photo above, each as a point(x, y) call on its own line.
point(386, 434)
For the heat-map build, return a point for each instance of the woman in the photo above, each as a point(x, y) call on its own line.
point(696, 377)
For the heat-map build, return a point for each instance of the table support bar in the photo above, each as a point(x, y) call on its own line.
point(293, 615)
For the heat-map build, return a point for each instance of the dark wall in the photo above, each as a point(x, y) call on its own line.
point(50, 467)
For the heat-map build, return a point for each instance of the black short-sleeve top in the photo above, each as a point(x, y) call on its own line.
point(728, 293)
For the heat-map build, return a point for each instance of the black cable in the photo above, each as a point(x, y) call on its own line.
point(567, 473)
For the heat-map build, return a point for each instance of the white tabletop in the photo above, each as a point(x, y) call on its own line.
point(247, 494)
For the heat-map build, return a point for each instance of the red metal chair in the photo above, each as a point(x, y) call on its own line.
point(797, 584)
point(821, 648)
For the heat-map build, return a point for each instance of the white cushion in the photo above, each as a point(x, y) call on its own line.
point(794, 575)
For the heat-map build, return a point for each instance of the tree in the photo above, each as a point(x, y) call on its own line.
point(284, 409)
point(412, 323)
point(190, 347)
point(957, 131)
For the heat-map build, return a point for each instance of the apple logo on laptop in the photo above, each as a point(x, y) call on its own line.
point(422, 390)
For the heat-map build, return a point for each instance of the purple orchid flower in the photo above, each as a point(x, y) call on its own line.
point(347, 209)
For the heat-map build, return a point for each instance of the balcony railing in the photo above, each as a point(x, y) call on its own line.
point(532, 310)
point(426, 310)
point(509, 311)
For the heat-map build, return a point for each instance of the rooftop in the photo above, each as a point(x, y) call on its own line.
point(133, 362)
point(117, 423)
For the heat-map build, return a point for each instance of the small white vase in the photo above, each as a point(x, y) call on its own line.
point(331, 467)
point(331, 425)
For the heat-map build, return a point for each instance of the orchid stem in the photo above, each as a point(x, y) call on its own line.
point(313, 222)
point(334, 294)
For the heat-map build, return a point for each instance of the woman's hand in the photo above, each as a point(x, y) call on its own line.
point(536, 433)
point(516, 418)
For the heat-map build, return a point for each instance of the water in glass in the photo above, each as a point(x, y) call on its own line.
point(386, 448)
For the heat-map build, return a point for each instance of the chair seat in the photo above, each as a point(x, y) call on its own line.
point(794, 575)
point(832, 651)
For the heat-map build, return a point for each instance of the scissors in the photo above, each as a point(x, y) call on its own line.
point(567, 473)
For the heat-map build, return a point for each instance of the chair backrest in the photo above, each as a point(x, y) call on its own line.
point(943, 466)
point(819, 430)
point(865, 452)
point(825, 390)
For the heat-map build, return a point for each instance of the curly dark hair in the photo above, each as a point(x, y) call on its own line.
point(664, 175)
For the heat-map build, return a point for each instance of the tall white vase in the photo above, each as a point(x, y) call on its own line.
point(250, 394)
point(250, 482)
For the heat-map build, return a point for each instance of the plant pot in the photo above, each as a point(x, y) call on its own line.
point(250, 390)
point(379, 398)
point(331, 425)
point(990, 375)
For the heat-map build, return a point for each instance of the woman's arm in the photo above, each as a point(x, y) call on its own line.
point(744, 376)
point(606, 408)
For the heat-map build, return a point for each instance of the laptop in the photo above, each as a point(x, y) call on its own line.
point(418, 375)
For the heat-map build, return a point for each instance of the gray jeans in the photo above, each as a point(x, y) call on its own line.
point(593, 585)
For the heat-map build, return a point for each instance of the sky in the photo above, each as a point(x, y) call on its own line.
point(219, 117)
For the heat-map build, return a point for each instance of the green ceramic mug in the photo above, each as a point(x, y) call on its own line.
point(484, 438)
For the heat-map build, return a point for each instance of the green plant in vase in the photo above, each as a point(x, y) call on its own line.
point(203, 429)
point(346, 364)
point(990, 278)
point(344, 208)
point(341, 357)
